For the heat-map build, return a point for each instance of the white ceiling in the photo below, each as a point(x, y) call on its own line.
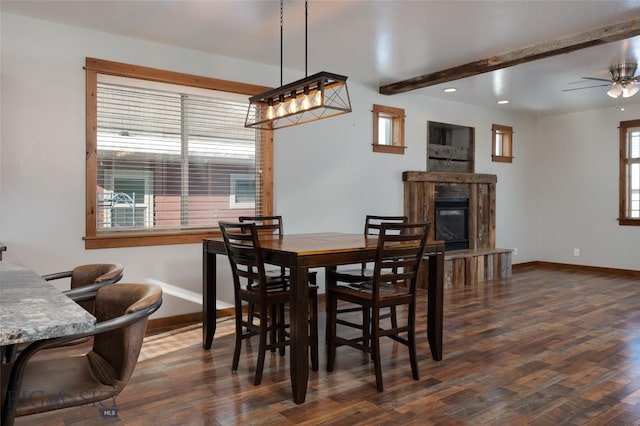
point(381, 42)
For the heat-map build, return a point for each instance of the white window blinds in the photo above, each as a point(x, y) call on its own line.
point(172, 159)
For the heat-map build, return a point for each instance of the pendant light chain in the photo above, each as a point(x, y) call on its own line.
point(281, 25)
point(305, 38)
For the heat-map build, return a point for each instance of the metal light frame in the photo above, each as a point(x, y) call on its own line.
point(624, 80)
point(312, 98)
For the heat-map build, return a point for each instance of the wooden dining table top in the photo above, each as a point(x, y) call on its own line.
point(319, 243)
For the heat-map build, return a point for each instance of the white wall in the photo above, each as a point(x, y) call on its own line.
point(326, 175)
point(332, 183)
point(578, 157)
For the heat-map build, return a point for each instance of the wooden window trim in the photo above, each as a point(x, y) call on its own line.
point(508, 158)
point(397, 116)
point(93, 67)
point(623, 220)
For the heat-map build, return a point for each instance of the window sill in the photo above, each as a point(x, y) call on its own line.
point(629, 222)
point(501, 159)
point(389, 149)
point(140, 239)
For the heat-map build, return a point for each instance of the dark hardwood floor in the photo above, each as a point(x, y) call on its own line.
point(546, 347)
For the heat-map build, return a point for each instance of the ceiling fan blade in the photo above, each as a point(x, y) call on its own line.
point(587, 87)
point(598, 79)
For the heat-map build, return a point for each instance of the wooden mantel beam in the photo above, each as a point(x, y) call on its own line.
point(604, 35)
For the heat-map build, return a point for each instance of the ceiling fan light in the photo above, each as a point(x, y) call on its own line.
point(615, 91)
point(629, 90)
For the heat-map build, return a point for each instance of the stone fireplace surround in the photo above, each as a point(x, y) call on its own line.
point(482, 261)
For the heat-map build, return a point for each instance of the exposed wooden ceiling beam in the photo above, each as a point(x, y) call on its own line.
point(608, 34)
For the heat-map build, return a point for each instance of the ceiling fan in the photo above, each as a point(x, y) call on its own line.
point(623, 80)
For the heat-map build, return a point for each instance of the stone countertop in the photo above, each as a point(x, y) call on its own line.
point(33, 309)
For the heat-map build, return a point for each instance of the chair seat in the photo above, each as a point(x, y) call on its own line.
point(275, 281)
point(69, 380)
point(364, 289)
point(274, 293)
point(353, 275)
point(275, 274)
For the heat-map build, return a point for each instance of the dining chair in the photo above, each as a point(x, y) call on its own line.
point(84, 279)
point(372, 226)
point(39, 385)
point(250, 283)
point(399, 251)
point(88, 278)
point(278, 277)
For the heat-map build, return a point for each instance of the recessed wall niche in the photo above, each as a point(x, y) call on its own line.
point(450, 148)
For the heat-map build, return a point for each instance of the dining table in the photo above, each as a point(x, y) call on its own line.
point(299, 253)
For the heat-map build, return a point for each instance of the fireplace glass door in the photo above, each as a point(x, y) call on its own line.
point(452, 222)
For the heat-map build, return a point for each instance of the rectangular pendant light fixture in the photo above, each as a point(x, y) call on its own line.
point(318, 96)
point(312, 98)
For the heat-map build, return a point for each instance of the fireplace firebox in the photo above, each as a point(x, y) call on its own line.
point(452, 222)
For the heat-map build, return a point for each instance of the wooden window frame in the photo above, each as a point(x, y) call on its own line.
point(94, 240)
point(623, 219)
point(507, 145)
point(397, 122)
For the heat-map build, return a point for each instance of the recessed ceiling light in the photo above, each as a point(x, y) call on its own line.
point(450, 90)
point(503, 102)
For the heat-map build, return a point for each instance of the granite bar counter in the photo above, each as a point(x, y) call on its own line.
point(33, 309)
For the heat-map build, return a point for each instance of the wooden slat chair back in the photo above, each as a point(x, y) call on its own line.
point(267, 225)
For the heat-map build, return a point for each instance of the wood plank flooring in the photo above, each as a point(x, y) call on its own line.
point(545, 347)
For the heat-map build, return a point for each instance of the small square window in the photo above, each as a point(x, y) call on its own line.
point(388, 129)
point(502, 143)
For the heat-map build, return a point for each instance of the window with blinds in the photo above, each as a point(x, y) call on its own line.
point(630, 172)
point(169, 159)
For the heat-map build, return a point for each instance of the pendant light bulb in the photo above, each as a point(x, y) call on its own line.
point(270, 112)
point(293, 103)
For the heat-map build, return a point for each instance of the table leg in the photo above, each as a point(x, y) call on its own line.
point(208, 297)
point(435, 304)
point(299, 304)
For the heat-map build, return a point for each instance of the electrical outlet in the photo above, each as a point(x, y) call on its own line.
point(576, 252)
point(515, 251)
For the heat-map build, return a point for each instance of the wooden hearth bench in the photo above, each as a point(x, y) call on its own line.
point(470, 267)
